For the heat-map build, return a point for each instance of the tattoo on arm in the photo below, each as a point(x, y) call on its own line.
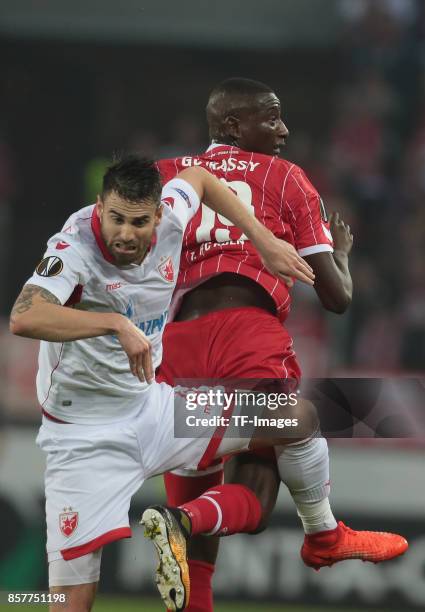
point(25, 299)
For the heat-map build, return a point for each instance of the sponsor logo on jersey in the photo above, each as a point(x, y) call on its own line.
point(49, 266)
point(68, 522)
point(169, 201)
point(184, 196)
point(166, 269)
point(150, 326)
point(61, 245)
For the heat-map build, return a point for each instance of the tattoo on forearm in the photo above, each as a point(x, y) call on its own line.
point(25, 299)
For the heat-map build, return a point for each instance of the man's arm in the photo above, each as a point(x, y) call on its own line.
point(333, 282)
point(279, 257)
point(38, 314)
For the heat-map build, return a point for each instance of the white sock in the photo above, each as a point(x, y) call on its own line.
point(304, 468)
point(316, 516)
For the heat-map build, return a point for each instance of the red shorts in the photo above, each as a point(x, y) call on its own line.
point(246, 342)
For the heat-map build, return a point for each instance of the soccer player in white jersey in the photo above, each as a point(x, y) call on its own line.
point(98, 300)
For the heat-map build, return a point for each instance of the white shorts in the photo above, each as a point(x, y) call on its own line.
point(92, 471)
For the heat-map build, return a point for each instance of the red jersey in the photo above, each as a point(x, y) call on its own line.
point(276, 191)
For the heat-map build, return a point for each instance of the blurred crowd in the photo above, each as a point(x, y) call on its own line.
point(368, 163)
point(371, 167)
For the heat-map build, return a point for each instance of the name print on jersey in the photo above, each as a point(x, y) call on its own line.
point(226, 165)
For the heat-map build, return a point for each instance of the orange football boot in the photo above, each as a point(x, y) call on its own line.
point(328, 547)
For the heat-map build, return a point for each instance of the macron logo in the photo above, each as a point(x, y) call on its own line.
point(113, 286)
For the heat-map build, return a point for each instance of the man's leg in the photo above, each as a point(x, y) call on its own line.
point(224, 509)
point(77, 580)
point(202, 550)
point(79, 598)
point(234, 508)
point(304, 468)
point(257, 471)
point(91, 474)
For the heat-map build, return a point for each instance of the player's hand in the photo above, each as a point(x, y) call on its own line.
point(282, 260)
point(341, 234)
point(138, 349)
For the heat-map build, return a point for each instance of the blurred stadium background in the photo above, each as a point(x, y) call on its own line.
point(82, 79)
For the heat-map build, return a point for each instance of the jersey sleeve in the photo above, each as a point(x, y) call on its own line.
point(307, 215)
point(181, 198)
point(62, 267)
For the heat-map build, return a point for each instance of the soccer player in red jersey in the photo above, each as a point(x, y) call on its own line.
point(228, 322)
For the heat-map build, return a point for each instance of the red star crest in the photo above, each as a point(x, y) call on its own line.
point(68, 522)
point(166, 270)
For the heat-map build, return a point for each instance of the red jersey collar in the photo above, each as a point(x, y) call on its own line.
point(95, 226)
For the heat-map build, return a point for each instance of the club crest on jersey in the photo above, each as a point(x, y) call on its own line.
point(68, 522)
point(166, 269)
point(169, 201)
point(49, 266)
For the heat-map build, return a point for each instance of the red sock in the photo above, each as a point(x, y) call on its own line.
point(224, 510)
point(201, 594)
point(181, 489)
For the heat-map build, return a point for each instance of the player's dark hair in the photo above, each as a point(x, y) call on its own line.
point(240, 86)
point(134, 178)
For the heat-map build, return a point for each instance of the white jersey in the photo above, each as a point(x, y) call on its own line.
point(89, 381)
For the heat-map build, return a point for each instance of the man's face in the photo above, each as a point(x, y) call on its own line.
point(260, 127)
point(127, 227)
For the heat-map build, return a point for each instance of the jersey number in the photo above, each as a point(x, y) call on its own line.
point(210, 219)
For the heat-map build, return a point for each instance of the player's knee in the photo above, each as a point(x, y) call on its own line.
point(259, 473)
point(301, 421)
point(264, 520)
point(305, 413)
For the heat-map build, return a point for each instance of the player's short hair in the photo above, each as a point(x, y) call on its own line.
point(134, 178)
point(240, 86)
point(228, 97)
